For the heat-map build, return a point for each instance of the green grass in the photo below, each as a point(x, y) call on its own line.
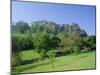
point(28, 55)
point(70, 62)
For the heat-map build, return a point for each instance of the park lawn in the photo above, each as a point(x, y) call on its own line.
point(28, 55)
point(70, 62)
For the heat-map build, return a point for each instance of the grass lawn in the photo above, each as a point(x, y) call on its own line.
point(28, 55)
point(70, 62)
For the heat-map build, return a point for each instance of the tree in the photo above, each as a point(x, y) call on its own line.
point(89, 42)
point(22, 26)
point(74, 42)
point(54, 42)
point(20, 43)
point(63, 37)
point(27, 41)
point(76, 49)
point(16, 47)
point(51, 55)
point(42, 42)
point(69, 41)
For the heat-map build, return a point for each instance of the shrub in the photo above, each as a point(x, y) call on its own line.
point(76, 49)
point(51, 55)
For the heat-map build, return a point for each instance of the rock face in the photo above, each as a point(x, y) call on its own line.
point(52, 27)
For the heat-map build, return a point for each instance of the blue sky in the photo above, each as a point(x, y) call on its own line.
point(59, 13)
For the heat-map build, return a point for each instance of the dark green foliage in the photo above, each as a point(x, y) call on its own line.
point(73, 39)
point(74, 42)
point(22, 26)
point(54, 42)
point(16, 44)
point(15, 72)
point(89, 42)
point(69, 41)
point(43, 42)
point(67, 49)
point(63, 36)
point(27, 41)
point(51, 55)
point(46, 37)
point(76, 49)
point(20, 43)
point(42, 53)
point(16, 47)
point(16, 59)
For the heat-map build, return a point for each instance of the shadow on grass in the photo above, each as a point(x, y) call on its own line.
point(24, 62)
point(62, 65)
point(84, 56)
point(30, 66)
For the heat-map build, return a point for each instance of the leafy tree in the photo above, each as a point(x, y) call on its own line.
point(22, 26)
point(74, 41)
point(16, 44)
point(51, 55)
point(67, 49)
point(76, 49)
point(14, 72)
point(54, 42)
point(42, 42)
point(16, 47)
point(89, 42)
point(63, 37)
point(27, 41)
point(34, 27)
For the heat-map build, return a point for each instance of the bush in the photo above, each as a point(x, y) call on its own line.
point(51, 55)
point(76, 49)
point(14, 72)
point(16, 59)
point(67, 50)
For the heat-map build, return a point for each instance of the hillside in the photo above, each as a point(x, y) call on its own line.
point(49, 27)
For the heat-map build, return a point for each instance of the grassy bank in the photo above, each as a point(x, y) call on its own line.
point(70, 62)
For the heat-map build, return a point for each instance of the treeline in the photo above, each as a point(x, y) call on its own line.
point(45, 36)
point(48, 26)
